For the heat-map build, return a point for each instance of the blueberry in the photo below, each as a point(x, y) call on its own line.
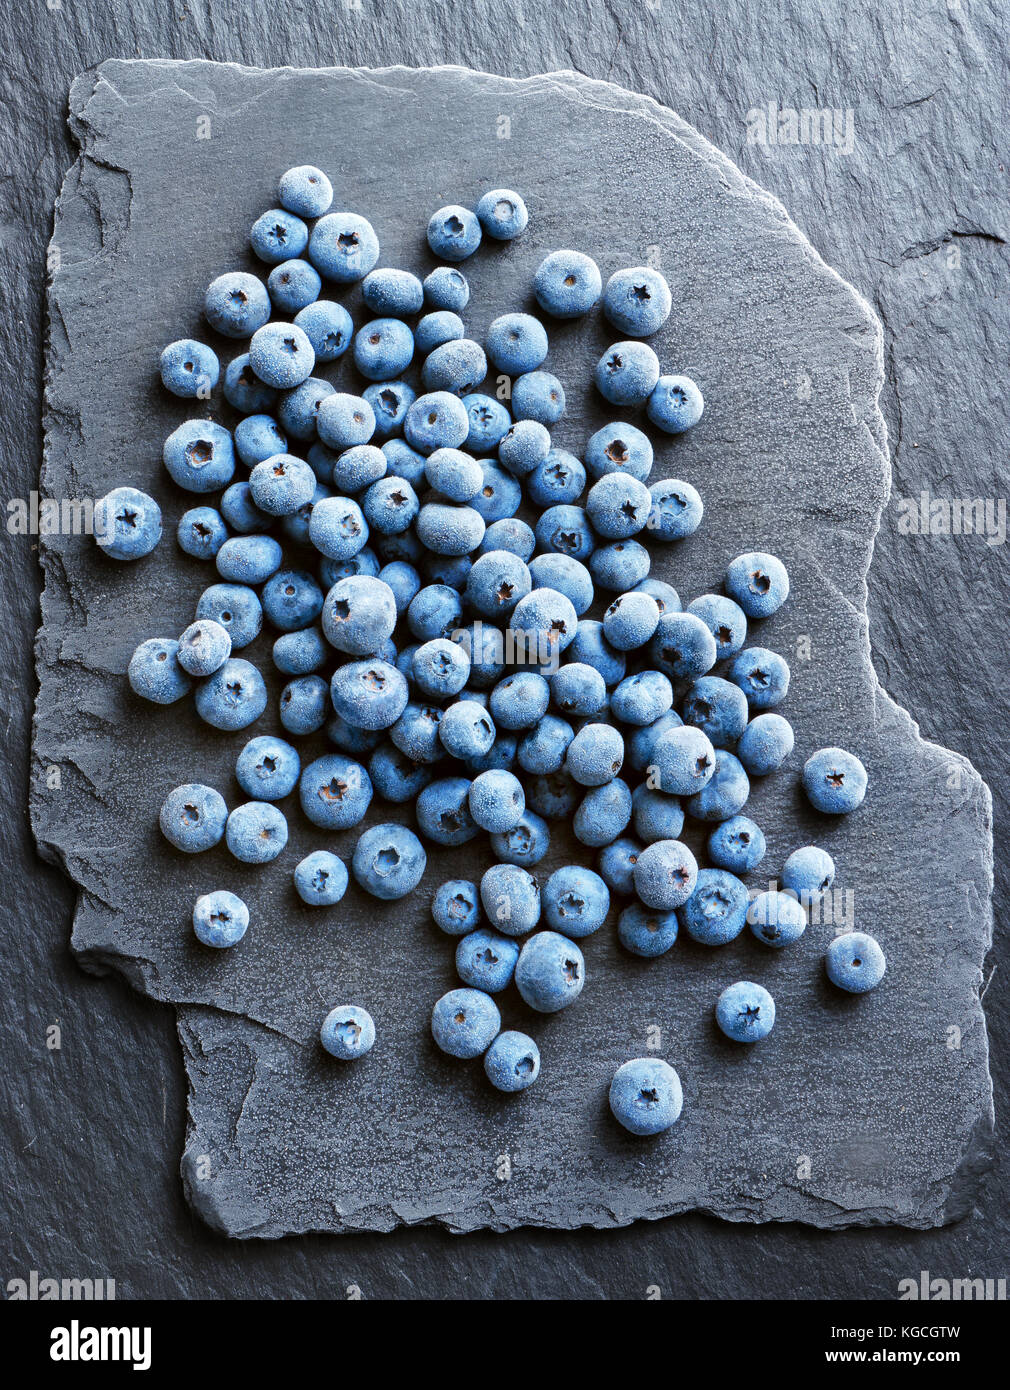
point(236, 304)
point(538, 396)
point(383, 349)
point(293, 284)
point(436, 420)
point(603, 814)
point(511, 899)
point(718, 708)
point(834, 781)
point(450, 570)
point(509, 534)
point(304, 704)
point(395, 776)
point(369, 694)
point(855, 962)
point(454, 232)
point(641, 740)
point(220, 919)
point(233, 697)
point(455, 475)
point(248, 559)
point(488, 420)
point(726, 792)
point(236, 607)
point(512, 1062)
point(665, 874)
point(281, 355)
point(496, 582)
point(559, 479)
point(203, 647)
point(446, 288)
point(305, 190)
point(725, 620)
point(617, 862)
point(619, 566)
point(449, 530)
point(335, 792)
point(630, 620)
point(440, 668)
point(358, 743)
point(523, 447)
point(646, 1095)
point(201, 532)
point(568, 576)
point(676, 510)
point(361, 467)
point(486, 960)
point(390, 401)
point(127, 523)
point(500, 493)
point(567, 284)
point(456, 906)
point(415, 733)
point(404, 462)
point(442, 326)
point(502, 214)
point(193, 817)
point(542, 750)
point(466, 730)
point(458, 366)
point(525, 844)
point(619, 448)
point(189, 369)
point(392, 293)
point(337, 528)
point(404, 583)
point(389, 861)
point(292, 600)
point(637, 301)
point(298, 413)
point(443, 815)
point(591, 647)
point(548, 622)
point(595, 755)
point(435, 611)
point(550, 972)
point(347, 1032)
point(646, 933)
point(496, 801)
point(716, 911)
point(763, 676)
point(575, 901)
point(465, 1022)
point(627, 373)
point(737, 844)
point(281, 484)
point(809, 873)
point(618, 506)
point(200, 456)
point(682, 646)
point(328, 327)
point(343, 247)
point(241, 512)
point(516, 343)
point(642, 699)
point(758, 583)
point(259, 437)
point(359, 614)
point(655, 815)
point(666, 596)
point(553, 795)
point(675, 404)
point(256, 832)
point(520, 700)
point(267, 768)
point(777, 919)
point(745, 1012)
point(278, 235)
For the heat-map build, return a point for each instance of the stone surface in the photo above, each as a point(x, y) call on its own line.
point(922, 179)
point(861, 1112)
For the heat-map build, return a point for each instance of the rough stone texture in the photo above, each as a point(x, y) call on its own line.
point(791, 455)
point(922, 179)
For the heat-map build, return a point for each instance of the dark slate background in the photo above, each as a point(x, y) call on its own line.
point(915, 217)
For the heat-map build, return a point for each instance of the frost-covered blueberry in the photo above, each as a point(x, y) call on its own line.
point(809, 873)
point(565, 529)
point(446, 288)
point(603, 814)
point(591, 647)
point(435, 611)
point(616, 863)
point(716, 911)
point(233, 697)
point(297, 411)
point(390, 401)
point(777, 919)
point(256, 832)
point(550, 972)
point(337, 528)
point(201, 532)
point(281, 355)
point(443, 815)
point(553, 795)
point(509, 534)
point(665, 874)
point(682, 646)
point(637, 301)
point(436, 420)
point(241, 512)
point(575, 901)
point(236, 607)
point(459, 366)
point(488, 421)
point(455, 907)
point(578, 690)
point(347, 1032)
point(415, 733)
point(627, 373)
point(666, 596)
point(335, 792)
point(520, 700)
point(259, 437)
point(389, 861)
point(855, 962)
point(630, 621)
point(643, 698)
point(359, 467)
point(567, 284)
point(267, 768)
point(389, 506)
point(454, 474)
point(404, 462)
point(454, 232)
point(676, 511)
point(523, 447)
point(193, 817)
point(440, 668)
point(277, 235)
point(496, 582)
point(369, 694)
point(200, 456)
point(512, 1062)
point(395, 776)
point(304, 705)
point(595, 755)
point(548, 620)
point(155, 672)
point(619, 566)
point(281, 484)
point(404, 581)
point(511, 899)
point(465, 1022)
point(236, 304)
point(726, 792)
point(189, 369)
point(497, 801)
point(486, 960)
point(344, 420)
point(442, 326)
point(220, 919)
point(558, 480)
point(619, 448)
point(725, 620)
point(646, 1096)
point(359, 614)
point(203, 647)
point(640, 742)
point(762, 675)
point(500, 494)
point(328, 327)
point(738, 844)
point(646, 933)
point(655, 815)
point(248, 559)
point(383, 349)
point(765, 744)
point(717, 707)
point(758, 582)
point(502, 214)
point(675, 404)
point(293, 284)
point(525, 844)
point(618, 506)
point(745, 1012)
point(343, 247)
point(834, 781)
point(292, 600)
point(538, 396)
point(305, 191)
point(516, 343)
point(466, 730)
point(565, 574)
point(542, 750)
point(392, 293)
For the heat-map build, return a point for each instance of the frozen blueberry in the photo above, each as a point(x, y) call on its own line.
point(716, 911)
point(637, 301)
point(595, 755)
point(363, 561)
point(305, 190)
point(328, 327)
point(591, 647)
point(516, 343)
point(646, 1096)
point(525, 844)
point(630, 620)
point(267, 768)
point(358, 743)
point(565, 574)
point(248, 559)
point(618, 506)
point(383, 349)
point(553, 795)
point(548, 622)
point(200, 456)
point(765, 744)
point(395, 776)
point(256, 832)
point(343, 247)
point(465, 1022)
point(466, 730)
point(455, 475)
point(737, 844)
point(855, 962)
point(567, 284)
point(682, 646)
point(718, 708)
point(389, 861)
point(666, 596)
point(542, 750)
point(292, 600)
point(834, 781)
point(665, 874)
point(259, 437)
point(203, 647)
point(293, 284)
point(298, 413)
point(369, 694)
point(627, 373)
point(456, 906)
point(538, 396)
point(762, 675)
point(404, 462)
point(362, 466)
point(454, 233)
point(676, 511)
point(347, 1032)
point(550, 972)
point(619, 448)
point(511, 899)
point(304, 704)
point(450, 570)
point(512, 1062)
point(655, 815)
point(449, 530)
point(558, 480)
point(281, 484)
point(646, 933)
point(442, 326)
point(488, 421)
point(500, 494)
point(241, 512)
point(233, 697)
point(220, 919)
point(392, 293)
point(446, 288)
point(404, 582)
point(509, 534)
point(359, 614)
point(201, 532)
point(458, 366)
point(435, 611)
point(189, 369)
point(726, 792)
point(575, 901)
point(443, 815)
point(278, 235)
point(809, 873)
point(440, 668)
point(641, 740)
point(337, 528)
point(127, 523)
point(281, 355)
point(675, 404)
point(745, 1012)
point(616, 864)
point(335, 792)
point(502, 214)
point(726, 621)
point(193, 817)
point(619, 566)
point(415, 733)
point(496, 582)
point(777, 919)
point(236, 607)
point(758, 583)
point(486, 960)
point(642, 699)
point(497, 801)
point(236, 304)
point(390, 401)
point(565, 529)
point(523, 447)
point(436, 420)
point(603, 814)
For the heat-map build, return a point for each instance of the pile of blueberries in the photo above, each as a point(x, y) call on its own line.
point(443, 642)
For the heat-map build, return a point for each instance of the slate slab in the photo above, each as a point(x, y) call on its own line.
point(876, 1110)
